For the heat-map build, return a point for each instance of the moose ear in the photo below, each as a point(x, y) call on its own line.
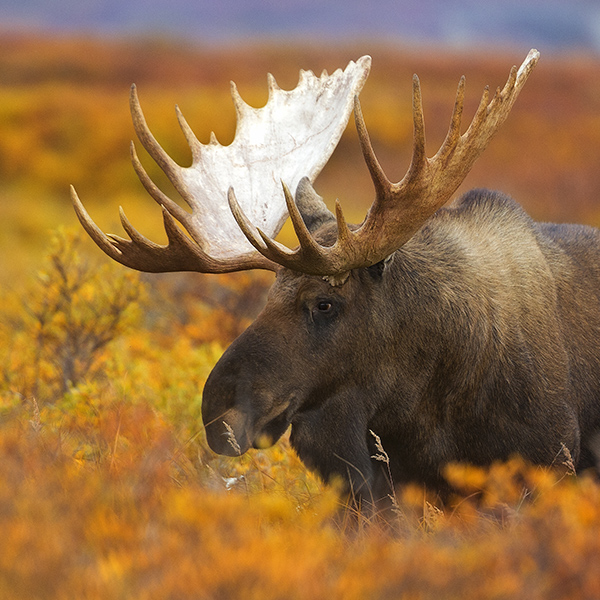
point(311, 206)
point(376, 271)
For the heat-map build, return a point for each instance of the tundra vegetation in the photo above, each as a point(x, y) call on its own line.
point(108, 488)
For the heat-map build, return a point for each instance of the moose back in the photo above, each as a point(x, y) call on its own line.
point(469, 333)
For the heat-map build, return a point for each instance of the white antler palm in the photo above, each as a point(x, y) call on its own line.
point(291, 137)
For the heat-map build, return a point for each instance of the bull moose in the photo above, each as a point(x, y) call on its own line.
point(467, 333)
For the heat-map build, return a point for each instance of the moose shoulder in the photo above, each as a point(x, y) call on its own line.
point(468, 333)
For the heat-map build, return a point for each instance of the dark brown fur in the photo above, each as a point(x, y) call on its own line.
point(478, 340)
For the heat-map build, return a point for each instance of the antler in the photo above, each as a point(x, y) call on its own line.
point(292, 136)
point(399, 209)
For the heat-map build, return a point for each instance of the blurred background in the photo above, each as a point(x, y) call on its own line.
point(107, 486)
point(66, 67)
point(556, 24)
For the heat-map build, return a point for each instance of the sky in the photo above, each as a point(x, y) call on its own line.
point(552, 24)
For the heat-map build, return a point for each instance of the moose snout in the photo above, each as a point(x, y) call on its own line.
point(227, 433)
point(226, 422)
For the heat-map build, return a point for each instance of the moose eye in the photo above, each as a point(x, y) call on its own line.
point(324, 306)
point(323, 311)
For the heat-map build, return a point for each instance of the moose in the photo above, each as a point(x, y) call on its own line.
point(467, 333)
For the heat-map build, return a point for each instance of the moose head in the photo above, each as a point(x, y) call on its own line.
point(369, 326)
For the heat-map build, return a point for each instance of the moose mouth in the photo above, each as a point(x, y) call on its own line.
point(272, 431)
point(233, 433)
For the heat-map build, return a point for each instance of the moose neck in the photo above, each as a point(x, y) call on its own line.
point(467, 287)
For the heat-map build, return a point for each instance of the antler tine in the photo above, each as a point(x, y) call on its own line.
point(310, 257)
point(379, 178)
point(170, 168)
point(155, 192)
point(453, 136)
point(490, 115)
point(102, 240)
point(180, 254)
point(419, 157)
point(481, 112)
point(190, 136)
point(278, 253)
point(307, 243)
point(248, 229)
point(156, 151)
point(344, 233)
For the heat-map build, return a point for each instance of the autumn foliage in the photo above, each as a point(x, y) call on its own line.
point(107, 486)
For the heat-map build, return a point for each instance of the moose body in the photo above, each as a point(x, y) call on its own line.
point(478, 340)
point(468, 333)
